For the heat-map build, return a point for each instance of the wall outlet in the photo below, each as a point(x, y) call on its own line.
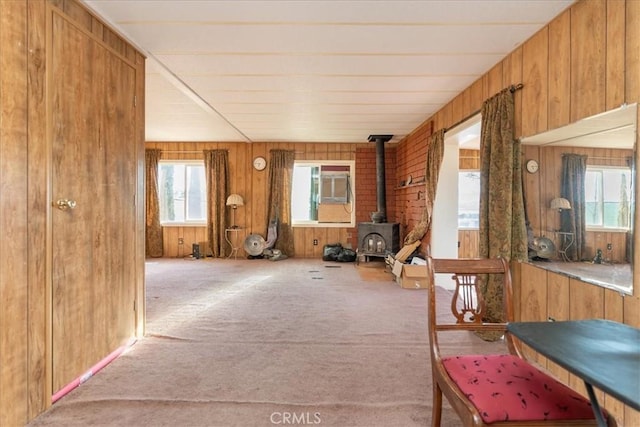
point(315, 242)
point(180, 241)
point(609, 246)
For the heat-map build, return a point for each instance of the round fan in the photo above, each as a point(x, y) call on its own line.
point(544, 247)
point(254, 244)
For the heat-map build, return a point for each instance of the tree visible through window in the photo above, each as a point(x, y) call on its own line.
point(607, 197)
point(182, 188)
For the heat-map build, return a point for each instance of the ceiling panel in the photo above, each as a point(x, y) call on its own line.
point(330, 70)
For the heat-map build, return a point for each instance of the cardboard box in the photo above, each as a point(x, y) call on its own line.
point(410, 276)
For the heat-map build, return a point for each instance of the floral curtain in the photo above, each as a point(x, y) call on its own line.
point(216, 165)
point(153, 232)
point(435, 153)
point(574, 171)
point(279, 198)
point(502, 217)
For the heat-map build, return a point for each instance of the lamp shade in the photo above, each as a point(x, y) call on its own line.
point(235, 200)
point(558, 203)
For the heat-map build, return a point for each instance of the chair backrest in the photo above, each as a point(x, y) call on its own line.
point(467, 304)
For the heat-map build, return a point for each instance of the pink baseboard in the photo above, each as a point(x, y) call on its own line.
point(91, 372)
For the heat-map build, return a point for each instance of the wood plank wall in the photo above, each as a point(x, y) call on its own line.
point(584, 62)
point(252, 186)
point(25, 218)
point(14, 243)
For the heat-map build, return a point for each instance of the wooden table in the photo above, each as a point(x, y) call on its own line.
point(603, 353)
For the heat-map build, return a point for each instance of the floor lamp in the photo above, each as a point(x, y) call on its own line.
point(234, 201)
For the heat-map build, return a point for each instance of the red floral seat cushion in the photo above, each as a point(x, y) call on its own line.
point(507, 388)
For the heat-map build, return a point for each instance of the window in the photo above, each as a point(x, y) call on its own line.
point(183, 193)
point(322, 193)
point(607, 197)
point(469, 199)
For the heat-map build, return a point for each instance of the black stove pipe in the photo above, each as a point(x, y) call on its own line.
point(381, 193)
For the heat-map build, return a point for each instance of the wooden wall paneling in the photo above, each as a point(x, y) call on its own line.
point(587, 301)
point(140, 235)
point(468, 243)
point(632, 94)
point(335, 235)
point(615, 54)
point(75, 11)
point(512, 67)
point(39, 367)
point(469, 160)
point(457, 113)
point(632, 55)
point(297, 240)
point(475, 100)
point(557, 309)
point(550, 176)
point(466, 102)
point(241, 180)
point(120, 182)
point(258, 203)
point(588, 62)
point(445, 115)
point(533, 298)
point(614, 310)
point(14, 272)
point(631, 316)
point(559, 99)
point(494, 80)
point(535, 63)
point(532, 188)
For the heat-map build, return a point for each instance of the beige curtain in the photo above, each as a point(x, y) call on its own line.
point(279, 198)
point(502, 217)
point(153, 232)
point(216, 169)
point(435, 153)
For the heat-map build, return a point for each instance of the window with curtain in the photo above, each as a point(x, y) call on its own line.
point(183, 193)
point(607, 198)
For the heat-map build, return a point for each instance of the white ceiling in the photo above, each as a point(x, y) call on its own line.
point(313, 71)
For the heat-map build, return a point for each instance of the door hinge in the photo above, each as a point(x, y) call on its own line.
point(135, 100)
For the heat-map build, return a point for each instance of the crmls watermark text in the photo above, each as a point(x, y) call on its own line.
point(292, 418)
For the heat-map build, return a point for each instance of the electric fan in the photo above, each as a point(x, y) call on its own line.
point(254, 244)
point(544, 247)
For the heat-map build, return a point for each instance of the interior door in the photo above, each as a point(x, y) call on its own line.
point(93, 172)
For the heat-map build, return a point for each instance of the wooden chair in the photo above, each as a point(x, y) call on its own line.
point(496, 389)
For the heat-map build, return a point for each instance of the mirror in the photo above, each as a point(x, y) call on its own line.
point(608, 140)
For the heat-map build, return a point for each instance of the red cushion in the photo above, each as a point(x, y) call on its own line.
point(507, 388)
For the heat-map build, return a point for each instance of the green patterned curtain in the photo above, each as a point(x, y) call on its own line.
point(435, 153)
point(279, 198)
point(216, 169)
point(502, 217)
point(153, 232)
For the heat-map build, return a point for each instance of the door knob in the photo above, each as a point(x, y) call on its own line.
point(65, 204)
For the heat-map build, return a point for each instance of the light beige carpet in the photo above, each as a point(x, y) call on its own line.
point(263, 343)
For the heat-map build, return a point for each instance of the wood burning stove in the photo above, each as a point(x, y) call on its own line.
point(379, 238)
